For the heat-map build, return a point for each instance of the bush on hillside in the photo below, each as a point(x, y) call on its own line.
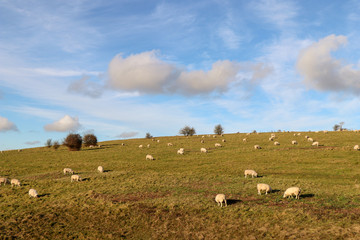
point(218, 129)
point(187, 131)
point(73, 142)
point(90, 139)
point(148, 135)
point(48, 143)
point(56, 145)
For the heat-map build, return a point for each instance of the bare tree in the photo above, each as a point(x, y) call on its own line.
point(187, 131)
point(218, 129)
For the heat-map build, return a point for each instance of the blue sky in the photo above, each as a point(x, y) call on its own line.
point(120, 69)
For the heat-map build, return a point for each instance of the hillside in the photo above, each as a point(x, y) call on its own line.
point(172, 197)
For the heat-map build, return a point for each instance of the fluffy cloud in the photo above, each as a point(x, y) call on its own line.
point(323, 72)
point(146, 73)
point(6, 125)
point(127, 134)
point(65, 124)
point(86, 87)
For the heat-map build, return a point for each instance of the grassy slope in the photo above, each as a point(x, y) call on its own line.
point(173, 196)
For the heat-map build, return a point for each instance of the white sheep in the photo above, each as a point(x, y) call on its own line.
point(202, 141)
point(294, 142)
point(217, 145)
point(271, 139)
point(220, 198)
point(75, 178)
point(276, 143)
point(315, 144)
point(19, 150)
point(148, 145)
point(203, 150)
point(292, 191)
point(170, 144)
point(100, 169)
point(149, 157)
point(68, 170)
point(158, 141)
point(122, 144)
point(140, 146)
point(3, 180)
point(356, 147)
point(180, 151)
point(15, 182)
point(33, 193)
point(91, 146)
point(252, 173)
point(244, 140)
point(306, 136)
point(257, 147)
point(263, 187)
point(310, 139)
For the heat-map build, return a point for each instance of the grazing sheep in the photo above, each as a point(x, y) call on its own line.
point(294, 134)
point(68, 170)
point(99, 146)
point(140, 146)
point(203, 150)
point(158, 141)
point(33, 193)
point(3, 180)
point(315, 144)
point(220, 198)
point(248, 134)
point(100, 169)
point(276, 143)
point(170, 144)
point(292, 191)
point(244, 140)
point(149, 157)
point(294, 142)
point(148, 145)
point(356, 147)
point(252, 173)
point(19, 150)
point(91, 146)
point(310, 139)
point(75, 178)
point(325, 131)
point(202, 141)
point(15, 182)
point(122, 144)
point(306, 136)
point(257, 147)
point(271, 139)
point(299, 134)
point(180, 151)
point(224, 140)
point(263, 187)
point(218, 145)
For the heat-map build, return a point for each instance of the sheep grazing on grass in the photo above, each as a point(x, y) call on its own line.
point(68, 170)
point(180, 151)
point(294, 142)
point(100, 169)
point(251, 173)
point(19, 150)
point(356, 147)
point(149, 157)
point(33, 193)
point(15, 182)
point(91, 146)
point(4, 180)
point(224, 140)
point(244, 140)
point(203, 150)
point(293, 191)
point(306, 136)
point(257, 147)
point(220, 199)
point(75, 178)
point(310, 139)
point(263, 187)
point(122, 144)
point(276, 143)
point(170, 144)
point(140, 146)
point(315, 144)
point(218, 145)
point(158, 141)
point(271, 139)
point(202, 141)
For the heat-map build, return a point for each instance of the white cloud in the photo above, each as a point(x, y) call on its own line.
point(86, 87)
point(146, 73)
point(32, 142)
point(65, 124)
point(127, 134)
point(324, 72)
point(6, 125)
point(230, 38)
point(59, 72)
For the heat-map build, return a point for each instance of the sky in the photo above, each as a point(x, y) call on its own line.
point(121, 69)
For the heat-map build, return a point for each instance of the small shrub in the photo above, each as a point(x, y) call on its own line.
point(90, 139)
point(187, 131)
point(148, 135)
point(218, 129)
point(56, 145)
point(73, 142)
point(49, 143)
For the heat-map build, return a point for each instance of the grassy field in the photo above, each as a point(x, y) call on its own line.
point(172, 197)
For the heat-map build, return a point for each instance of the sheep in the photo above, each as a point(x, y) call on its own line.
point(203, 150)
point(122, 144)
point(310, 139)
point(294, 142)
point(252, 173)
point(202, 141)
point(220, 198)
point(214, 136)
point(325, 131)
point(272, 135)
point(33, 193)
point(99, 146)
point(158, 141)
point(100, 169)
point(248, 134)
point(75, 178)
point(149, 157)
point(315, 144)
point(170, 144)
point(276, 143)
point(292, 191)
point(15, 182)
point(68, 170)
point(263, 187)
point(4, 180)
point(218, 145)
point(19, 150)
point(224, 140)
point(148, 145)
point(91, 146)
point(271, 139)
point(244, 140)
point(140, 146)
point(180, 151)
point(257, 147)
point(356, 147)
point(306, 136)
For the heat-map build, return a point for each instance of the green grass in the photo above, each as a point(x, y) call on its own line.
point(172, 197)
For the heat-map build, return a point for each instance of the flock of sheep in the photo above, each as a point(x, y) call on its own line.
point(220, 198)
